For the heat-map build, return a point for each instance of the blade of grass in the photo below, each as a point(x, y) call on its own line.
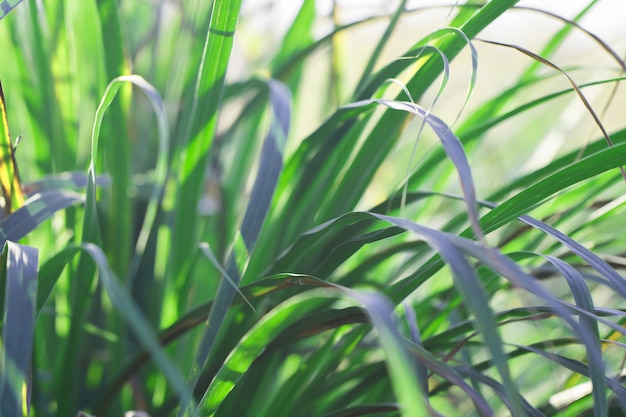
point(298, 37)
point(48, 98)
point(363, 410)
point(35, 211)
point(597, 368)
point(127, 308)
point(505, 267)
point(451, 145)
point(571, 24)
point(9, 176)
point(201, 127)
point(250, 347)
point(500, 391)
point(384, 39)
point(17, 329)
point(327, 138)
point(338, 347)
point(270, 166)
point(187, 322)
point(490, 108)
point(482, 123)
point(523, 202)
point(91, 234)
point(118, 244)
point(400, 367)
point(475, 298)
point(575, 86)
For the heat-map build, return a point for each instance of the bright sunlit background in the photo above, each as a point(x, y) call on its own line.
point(263, 25)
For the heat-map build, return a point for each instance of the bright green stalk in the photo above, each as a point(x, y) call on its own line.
point(201, 128)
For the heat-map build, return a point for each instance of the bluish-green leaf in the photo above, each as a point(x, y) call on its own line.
point(18, 323)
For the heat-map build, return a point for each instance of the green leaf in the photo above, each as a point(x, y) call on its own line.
point(18, 322)
point(11, 189)
point(270, 167)
point(35, 211)
point(6, 6)
point(202, 121)
point(250, 347)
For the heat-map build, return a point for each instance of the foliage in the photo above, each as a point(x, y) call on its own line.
point(257, 249)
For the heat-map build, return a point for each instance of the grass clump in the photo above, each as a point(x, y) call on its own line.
point(231, 241)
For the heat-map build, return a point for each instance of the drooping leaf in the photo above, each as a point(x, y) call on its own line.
point(36, 210)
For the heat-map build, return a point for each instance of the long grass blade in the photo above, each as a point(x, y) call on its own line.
point(298, 37)
point(161, 168)
point(18, 324)
point(10, 185)
point(135, 318)
point(571, 174)
point(270, 166)
point(371, 63)
point(37, 209)
point(249, 348)
point(400, 367)
point(574, 24)
point(475, 298)
point(91, 234)
point(575, 86)
point(200, 130)
point(451, 145)
point(597, 368)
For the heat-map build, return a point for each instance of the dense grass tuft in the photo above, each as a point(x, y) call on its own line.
point(209, 230)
